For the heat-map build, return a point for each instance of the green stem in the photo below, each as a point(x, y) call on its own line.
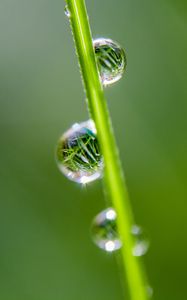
point(114, 179)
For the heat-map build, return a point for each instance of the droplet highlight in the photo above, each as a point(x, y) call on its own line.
point(78, 153)
point(104, 231)
point(67, 12)
point(111, 60)
point(141, 242)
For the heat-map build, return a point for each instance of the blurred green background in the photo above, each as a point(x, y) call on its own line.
point(46, 252)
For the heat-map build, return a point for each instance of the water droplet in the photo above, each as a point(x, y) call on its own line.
point(104, 231)
point(78, 153)
point(105, 234)
point(141, 242)
point(67, 12)
point(111, 60)
point(149, 291)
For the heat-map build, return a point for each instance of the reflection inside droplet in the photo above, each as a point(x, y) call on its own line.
point(111, 60)
point(104, 231)
point(78, 153)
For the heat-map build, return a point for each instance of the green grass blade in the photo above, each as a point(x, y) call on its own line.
point(113, 175)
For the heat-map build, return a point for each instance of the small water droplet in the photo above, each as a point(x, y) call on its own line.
point(104, 231)
point(141, 242)
point(111, 60)
point(67, 12)
point(150, 291)
point(78, 153)
point(105, 234)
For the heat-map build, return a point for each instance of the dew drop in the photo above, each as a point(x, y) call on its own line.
point(105, 235)
point(104, 231)
point(111, 60)
point(67, 12)
point(78, 154)
point(149, 291)
point(141, 242)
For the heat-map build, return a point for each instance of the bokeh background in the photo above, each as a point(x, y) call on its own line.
point(46, 251)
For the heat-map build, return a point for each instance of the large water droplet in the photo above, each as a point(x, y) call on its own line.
point(141, 242)
point(111, 60)
point(104, 231)
point(67, 12)
point(78, 153)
